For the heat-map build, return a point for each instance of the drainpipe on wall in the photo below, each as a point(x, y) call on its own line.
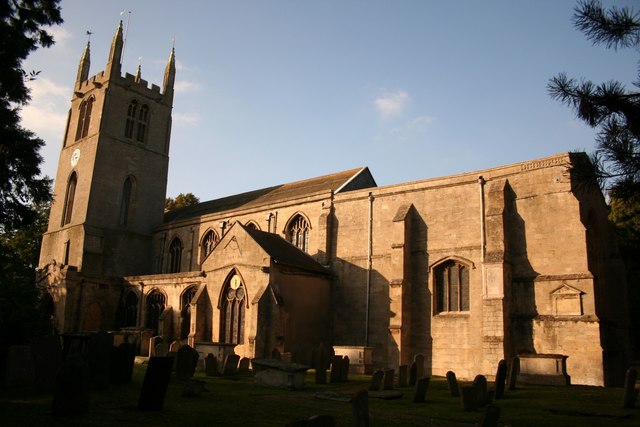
point(369, 268)
point(483, 237)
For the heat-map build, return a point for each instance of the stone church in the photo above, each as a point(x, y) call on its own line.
point(467, 269)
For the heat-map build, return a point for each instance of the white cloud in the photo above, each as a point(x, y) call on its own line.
point(46, 113)
point(421, 122)
point(391, 104)
point(60, 35)
point(184, 86)
point(186, 118)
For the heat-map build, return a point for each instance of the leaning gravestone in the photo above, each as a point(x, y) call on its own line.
point(630, 392)
point(187, 359)
point(230, 365)
point(47, 360)
point(514, 370)
point(72, 388)
point(243, 366)
point(336, 367)
point(413, 374)
point(421, 390)
point(344, 369)
point(100, 346)
point(122, 360)
point(490, 416)
point(153, 342)
point(419, 359)
point(156, 381)
point(402, 376)
point(19, 368)
point(389, 376)
point(360, 408)
point(210, 365)
point(175, 346)
point(452, 382)
point(376, 380)
point(320, 365)
point(480, 384)
point(501, 377)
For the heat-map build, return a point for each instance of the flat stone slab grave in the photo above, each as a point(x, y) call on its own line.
point(277, 373)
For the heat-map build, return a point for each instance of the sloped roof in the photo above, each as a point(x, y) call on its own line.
point(283, 252)
point(338, 182)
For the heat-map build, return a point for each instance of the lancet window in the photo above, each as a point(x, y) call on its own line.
point(175, 255)
point(232, 311)
point(451, 287)
point(155, 306)
point(69, 197)
point(84, 118)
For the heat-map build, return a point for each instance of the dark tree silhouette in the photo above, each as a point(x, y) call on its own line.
point(182, 200)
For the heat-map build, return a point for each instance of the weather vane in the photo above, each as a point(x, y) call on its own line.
point(89, 36)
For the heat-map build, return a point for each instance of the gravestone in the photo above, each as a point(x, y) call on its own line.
point(490, 416)
point(156, 381)
point(210, 365)
point(175, 346)
point(122, 360)
point(344, 369)
point(193, 388)
point(275, 354)
point(480, 384)
point(360, 408)
point(19, 367)
point(72, 388)
point(452, 382)
point(243, 366)
point(420, 393)
point(320, 365)
point(501, 377)
point(419, 359)
point(153, 342)
point(336, 367)
point(187, 359)
point(161, 350)
point(389, 376)
point(514, 369)
point(630, 392)
point(376, 380)
point(413, 374)
point(100, 346)
point(402, 376)
point(47, 360)
point(469, 398)
point(230, 365)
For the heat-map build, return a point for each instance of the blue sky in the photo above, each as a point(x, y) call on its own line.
point(274, 91)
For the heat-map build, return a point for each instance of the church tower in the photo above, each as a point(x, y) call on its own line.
point(112, 173)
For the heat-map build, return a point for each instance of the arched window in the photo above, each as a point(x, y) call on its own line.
point(143, 118)
point(209, 241)
point(126, 205)
point(451, 287)
point(130, 309)
point(185, 311)
point(155, 306)
point(131, 119)
point(70, 195)
point(232, 309)
point(175, 255)
point(84, 118)
point(252, 225)
point(298, 232)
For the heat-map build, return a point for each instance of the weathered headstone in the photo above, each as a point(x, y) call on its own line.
point(122, 360)
point(211, 365)
point(72, 389)
point(514, 370)
point(452, 382)
point(413, 374)
point(419, 359)
point(193, 388)
point(230, 365)
point(175, 346)
point(320, 365)
point(243, 365)
point(376, 380)
point(630, 392)
point(389, 376)
point(501, 377)
point(344, 369)
point(100, 346)
point(360, 408)
point(187, 359)
point(469, 398)
point(162, 349)
point(402, 376)
point(421, 390)
point(336, 367)
point(153, 342)
point(480, 384)
point(47, 360)
point(490, 416)
point(156, 381)
point(19, 368)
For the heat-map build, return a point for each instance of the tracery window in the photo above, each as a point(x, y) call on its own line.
point(175, 255)
point(252, 225)
point(232, 311)
point(155, 306)
point(451, 287)
point(209, 241)
point(185, 311)
point(143, 118)
point(137, 121)
point(127, 200)
point(69, 197)
point(131, 119)
point(84, 118)
point(298, 232)
point(130, 309)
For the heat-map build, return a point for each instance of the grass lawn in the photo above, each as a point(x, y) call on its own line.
point(239, 402)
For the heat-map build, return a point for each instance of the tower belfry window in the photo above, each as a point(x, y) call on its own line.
point(68, 199)
point(84, 118)
point(131, 119)
point(142, 123)
point(127, 200)
point(137, 121)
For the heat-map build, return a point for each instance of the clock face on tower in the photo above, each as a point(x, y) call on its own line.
point(75, 157)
